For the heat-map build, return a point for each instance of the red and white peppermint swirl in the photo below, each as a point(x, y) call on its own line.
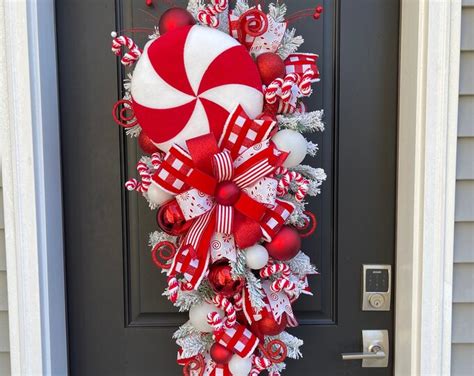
point(224, 304)
point(209, 15)
point(133, 53)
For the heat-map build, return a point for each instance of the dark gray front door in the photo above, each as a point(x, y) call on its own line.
point(118, 322)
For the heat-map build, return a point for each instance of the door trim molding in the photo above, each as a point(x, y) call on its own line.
point(428, 105)
point(32, 189)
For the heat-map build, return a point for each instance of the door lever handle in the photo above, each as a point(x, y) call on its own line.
point(375, 352)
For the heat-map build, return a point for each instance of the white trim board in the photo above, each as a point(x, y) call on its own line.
point(32, 189)
point(429, 78)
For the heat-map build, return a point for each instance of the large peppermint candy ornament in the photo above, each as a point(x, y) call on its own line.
point(187, 82)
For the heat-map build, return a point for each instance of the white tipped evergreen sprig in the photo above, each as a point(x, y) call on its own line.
point(289, 44)
point(277, 11)
point(302, 123)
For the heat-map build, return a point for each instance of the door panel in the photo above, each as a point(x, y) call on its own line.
point(118, 321)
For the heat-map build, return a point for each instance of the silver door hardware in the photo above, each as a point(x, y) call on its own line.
point(375, 350)
point(376, 287)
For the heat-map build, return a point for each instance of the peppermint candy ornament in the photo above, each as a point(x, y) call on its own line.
point(187, 82)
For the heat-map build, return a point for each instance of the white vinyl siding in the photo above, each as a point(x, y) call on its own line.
point(462, 359)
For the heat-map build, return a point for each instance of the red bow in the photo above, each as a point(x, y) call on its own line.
point(243, 157)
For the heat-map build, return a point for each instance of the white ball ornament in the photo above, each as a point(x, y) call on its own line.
point(198, 316)
point(256, 256)
point(240, 366)
point(156, 195)
point(293, 143)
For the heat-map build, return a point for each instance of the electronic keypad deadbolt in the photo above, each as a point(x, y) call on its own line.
point(376, 287)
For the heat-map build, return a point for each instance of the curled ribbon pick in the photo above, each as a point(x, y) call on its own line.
point(275, 350)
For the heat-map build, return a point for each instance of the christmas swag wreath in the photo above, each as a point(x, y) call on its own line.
point(215, 100)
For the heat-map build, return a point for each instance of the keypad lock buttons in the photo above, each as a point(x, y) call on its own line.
point(376, 287)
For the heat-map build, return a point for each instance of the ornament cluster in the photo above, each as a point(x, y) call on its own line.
point(215, 99)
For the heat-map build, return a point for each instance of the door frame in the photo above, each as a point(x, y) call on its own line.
point(428, 98)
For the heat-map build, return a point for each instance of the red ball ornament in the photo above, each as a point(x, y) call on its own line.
point(221, 280)
point(271, 66)
point(171, 220)
point(285, 244)
point(269, 326)
point(227, 193)
point(220, 354)
point(146, 144)
point(175, 18)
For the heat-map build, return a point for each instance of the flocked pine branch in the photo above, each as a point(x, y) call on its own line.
point(186, 299)
point(160, 236)
point(194, 6)
point(316, 177)
point(193, 344)
point(292, 343)
point(239, 267)
point(185, 330)
point(277, 11)
point(241, 6)
point(301, 265)
point(307, 122)
point(289, 44)
point(254, 288)
point(311, 148)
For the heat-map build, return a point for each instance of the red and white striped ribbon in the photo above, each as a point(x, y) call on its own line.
point(209, 15)
point(133, 53)
point(223, 166)
point(224, 219)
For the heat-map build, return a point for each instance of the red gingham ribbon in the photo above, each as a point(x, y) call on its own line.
point(239, 340)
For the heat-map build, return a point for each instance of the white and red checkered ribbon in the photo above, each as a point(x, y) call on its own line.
point(238, 339)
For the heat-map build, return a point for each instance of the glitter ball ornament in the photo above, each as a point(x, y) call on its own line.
point(285, 244)
point(220, 354)
point(171, 220)
point(175, 18)
point(220, 278)
point(270, 66)
point(146, 144)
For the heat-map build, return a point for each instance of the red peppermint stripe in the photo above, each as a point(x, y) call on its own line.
point(194, 235)
point(223, 166)
point(224, 219)
point(193, 269)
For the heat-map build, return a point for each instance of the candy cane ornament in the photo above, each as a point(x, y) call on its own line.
point(134, 52)
point(305, 83)
point(173, 288)
point(286, 89)
point(209, 15)
point(223, 303)
point(260, 364)
point(288, 177)
point(145, 176)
